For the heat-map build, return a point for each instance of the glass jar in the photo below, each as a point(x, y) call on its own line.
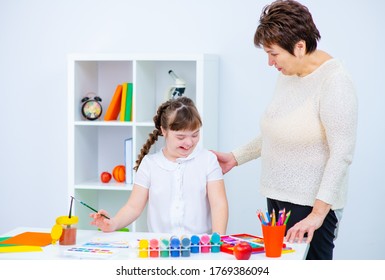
point(69, 229)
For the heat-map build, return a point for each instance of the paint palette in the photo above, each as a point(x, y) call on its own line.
point(88, 252)
point(229, 242)
point(107, 244)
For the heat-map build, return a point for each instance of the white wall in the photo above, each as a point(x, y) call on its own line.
point(36, 36)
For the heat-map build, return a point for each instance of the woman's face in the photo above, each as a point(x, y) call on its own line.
point(281, 59)
point(180, 143)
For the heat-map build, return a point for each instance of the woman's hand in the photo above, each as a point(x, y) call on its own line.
point(310, 224)
point(226, 161)
point(106, 225)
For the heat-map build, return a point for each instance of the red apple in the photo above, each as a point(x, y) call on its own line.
point(105, 177)
point(242, 251)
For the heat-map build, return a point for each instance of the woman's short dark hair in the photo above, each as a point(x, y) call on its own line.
point(285, 23)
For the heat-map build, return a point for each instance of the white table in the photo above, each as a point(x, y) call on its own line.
point(57, 251)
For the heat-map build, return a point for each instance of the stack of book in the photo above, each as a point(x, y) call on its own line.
point(121, 104)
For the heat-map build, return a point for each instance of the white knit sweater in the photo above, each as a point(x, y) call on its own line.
point(307, 138)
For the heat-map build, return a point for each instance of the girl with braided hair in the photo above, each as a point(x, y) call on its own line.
point(182, 183)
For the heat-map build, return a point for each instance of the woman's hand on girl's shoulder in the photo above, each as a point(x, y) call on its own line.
point(226, 161)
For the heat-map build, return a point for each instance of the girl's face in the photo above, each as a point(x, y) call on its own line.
point(180, 143)
point(284, 61)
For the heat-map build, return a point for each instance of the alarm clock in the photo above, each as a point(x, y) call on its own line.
point(92, 108)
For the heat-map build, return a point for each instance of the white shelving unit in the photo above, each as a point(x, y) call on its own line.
point(97, 146)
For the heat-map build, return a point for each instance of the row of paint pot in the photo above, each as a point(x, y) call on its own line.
point(179, 247)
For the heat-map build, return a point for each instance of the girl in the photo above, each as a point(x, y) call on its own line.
point(183, 184)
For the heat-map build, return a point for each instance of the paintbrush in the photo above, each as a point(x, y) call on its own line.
point(89, 207)
point(70, 212)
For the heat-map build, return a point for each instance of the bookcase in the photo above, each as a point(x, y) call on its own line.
point(97, 146)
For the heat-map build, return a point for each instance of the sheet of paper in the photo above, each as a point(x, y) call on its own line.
point(22, 248)
point(30, 239)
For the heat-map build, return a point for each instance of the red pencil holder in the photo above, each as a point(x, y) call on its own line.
point(273, 240)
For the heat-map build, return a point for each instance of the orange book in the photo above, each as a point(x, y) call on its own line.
point(114, 107)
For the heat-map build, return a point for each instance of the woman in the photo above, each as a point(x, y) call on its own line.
point(308, 131)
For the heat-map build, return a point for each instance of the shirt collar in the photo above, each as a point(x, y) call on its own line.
point(166, 164)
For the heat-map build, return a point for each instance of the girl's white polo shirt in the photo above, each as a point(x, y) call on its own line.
point(178, 201)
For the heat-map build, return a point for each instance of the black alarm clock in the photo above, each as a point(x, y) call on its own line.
point(92, 108)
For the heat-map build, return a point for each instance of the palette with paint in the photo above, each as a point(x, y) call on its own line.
point(228, 242)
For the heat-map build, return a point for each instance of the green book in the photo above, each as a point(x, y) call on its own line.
point(128, 111)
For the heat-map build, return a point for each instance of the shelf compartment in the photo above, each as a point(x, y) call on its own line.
point(98, 149)
point(100, 77)
point(152, 82)
point(97, 146)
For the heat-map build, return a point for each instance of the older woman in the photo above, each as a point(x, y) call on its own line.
point(308, 132)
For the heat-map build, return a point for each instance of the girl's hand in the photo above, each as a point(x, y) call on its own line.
point(106, 225)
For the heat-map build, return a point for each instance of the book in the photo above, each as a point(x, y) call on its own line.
point(123, 102)
point(128, 111)
point(114, 107)
point(128, 152)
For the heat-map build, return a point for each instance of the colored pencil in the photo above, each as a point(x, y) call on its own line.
point(267, 217)
point(287, 217)
point(273, 218)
